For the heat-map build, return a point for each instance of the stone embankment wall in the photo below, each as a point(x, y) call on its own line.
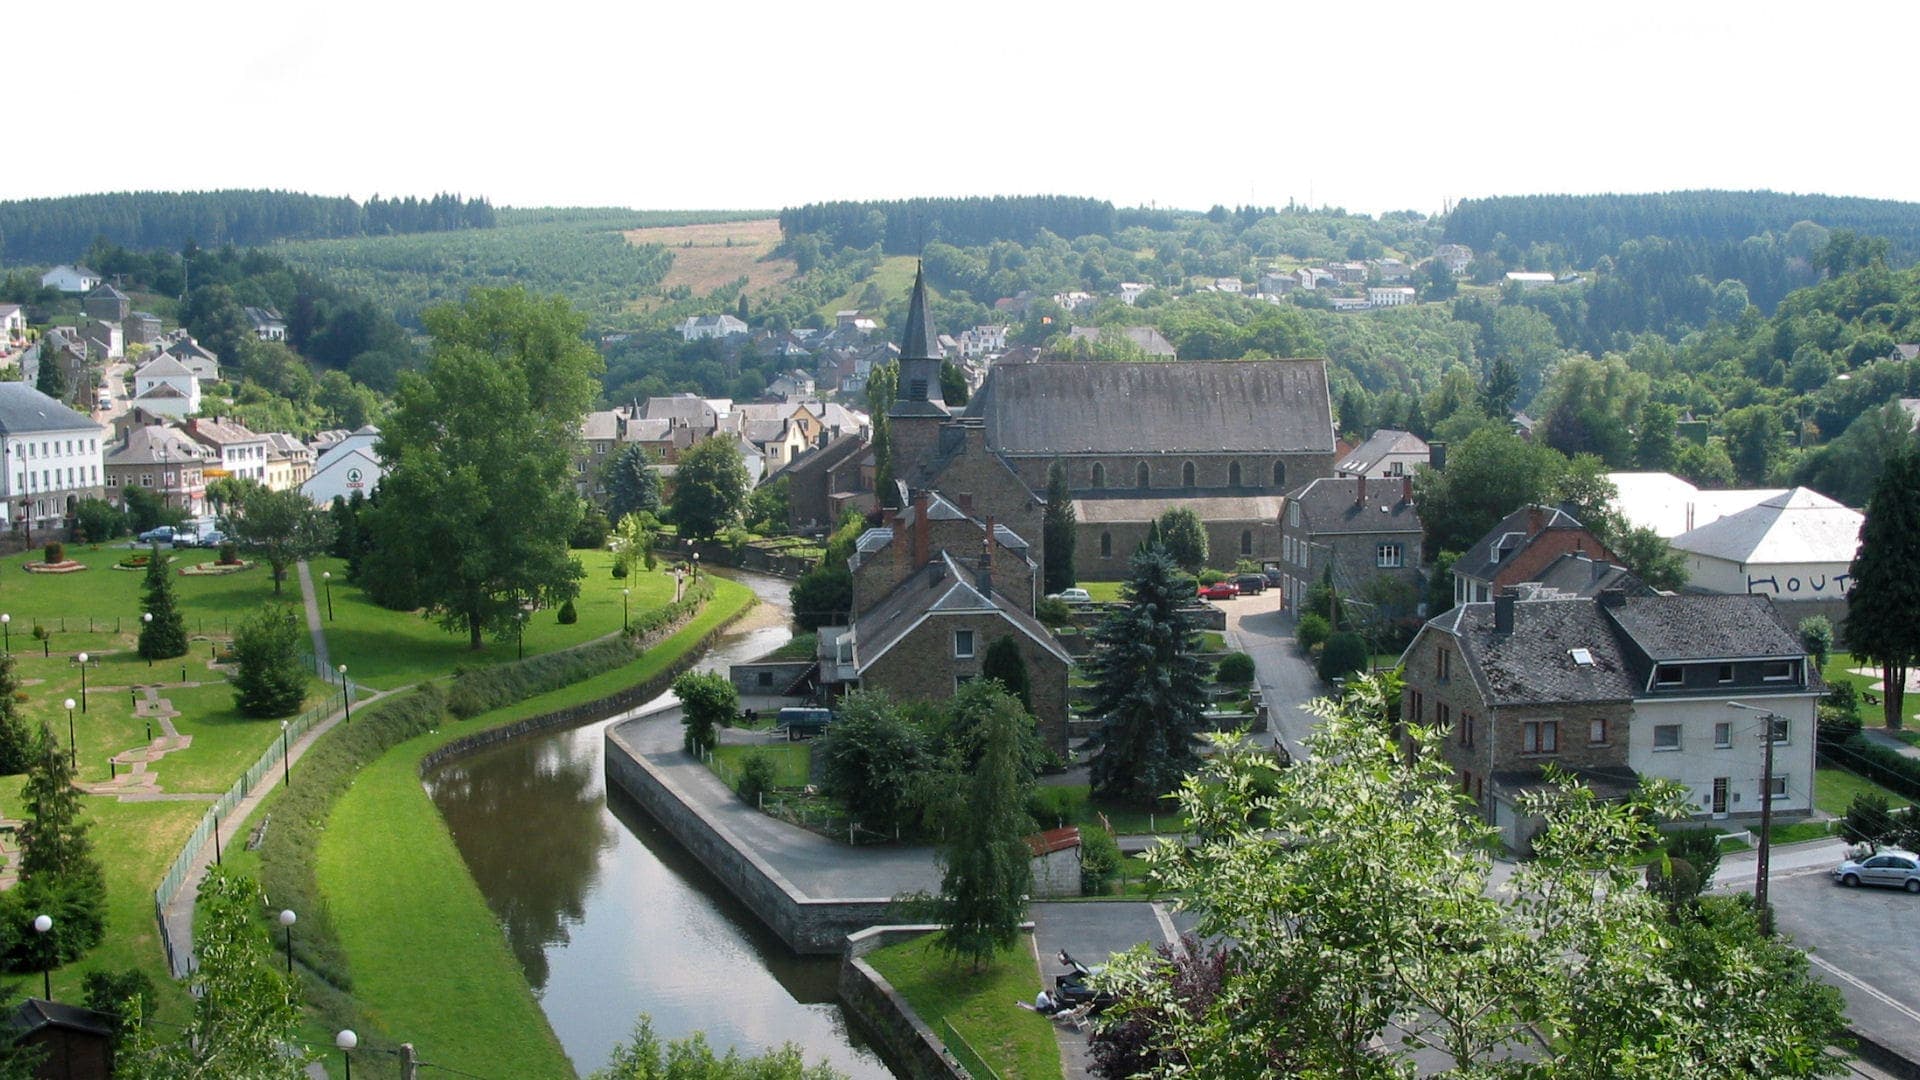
point(905, 1040)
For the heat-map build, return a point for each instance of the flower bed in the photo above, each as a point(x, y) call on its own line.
point(214, 568)
point(134, 562)
point(65, 566)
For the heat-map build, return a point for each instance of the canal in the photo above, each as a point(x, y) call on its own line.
point(611, 918)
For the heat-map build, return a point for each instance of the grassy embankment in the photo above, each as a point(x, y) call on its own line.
point(403, 902)
point(979, 1005)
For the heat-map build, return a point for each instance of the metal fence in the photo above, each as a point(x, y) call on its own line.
point(964, 1053)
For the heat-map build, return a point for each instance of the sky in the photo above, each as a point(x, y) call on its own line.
point(1371, 106)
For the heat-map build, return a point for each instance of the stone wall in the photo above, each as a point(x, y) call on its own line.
point(905, 1040)
point(767, 677)
point(922, 667)
point(807, 926)
point(1259, 474)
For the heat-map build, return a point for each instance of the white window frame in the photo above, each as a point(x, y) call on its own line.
point(1540, 737)
point(1723, 735)
point(1389, 556)
point(1679, 679)
point(1779, 785)
point(1670, 749)
point(1786, 671)
point(970, 644)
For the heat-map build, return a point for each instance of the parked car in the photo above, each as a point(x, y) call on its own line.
point(1888, 866)
point(162, 534)
point(212, 538)
point(1273, 576)
point(1072, 596)
point(801, 722)
point(1220, 590)
point(1251, 584)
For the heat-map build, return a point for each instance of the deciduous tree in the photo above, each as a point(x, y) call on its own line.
point(270, 680)
point(983, 893)
point(1185, 538)
point(281, 527)
point(709, 489)
point(1002, 662)
point(708, 702)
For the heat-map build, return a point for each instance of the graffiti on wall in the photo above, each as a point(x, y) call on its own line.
point(1806, 585)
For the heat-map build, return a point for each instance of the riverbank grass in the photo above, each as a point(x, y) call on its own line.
point(979, 1005)
point(404, 904)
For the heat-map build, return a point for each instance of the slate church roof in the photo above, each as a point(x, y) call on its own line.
point(1192, 407)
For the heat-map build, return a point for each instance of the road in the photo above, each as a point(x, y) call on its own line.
point(1257, 627)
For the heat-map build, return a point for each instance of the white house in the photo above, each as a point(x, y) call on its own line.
point(243, 453)
point(348, 465)
point(13, 321)
point(267, 324)
point(195, 358)
point(1390, 295)
point(1798, 545)
point(50, 458)
point(70, 279)
point(697, 327)
point(1530, 280)
point(1130, 291)
point(163, 386)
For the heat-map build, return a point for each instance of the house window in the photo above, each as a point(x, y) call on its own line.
point(1293, 515)
point(1466, 730)
point(1099, 475)
point(1246, 541)
point(1776, 670)
point(1666, 736)
point(1779, 787)
point(1233, 475)
point(1106, 545)
point(1723, 735)
point(1669, 675)
point(1540, 737)
point(1443, 663)
point(1388, 556)
point(963, 644)
point(1279, 474)
point(1725, 674)
point(1597, 732)
point(1186, 474)
point(1779, 731)
point(1443, 716)
point(1140, 475)
point(1414, 705)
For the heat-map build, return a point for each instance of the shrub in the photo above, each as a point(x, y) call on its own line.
point(1053, 613)
point(619, 569)
point(1345, 654)
point(1869, 819)
point(756, 776)
point(1816, 633)
point(1700, 849)
point(229, 554)
point(1313, 630)
point(97, 520)
point(1235, 668)
point(708, 702)
point(1212, 577)
point(1099, 860)
point(568, 615)
point(1884, 766)
point(591, 533)
point(56, 551)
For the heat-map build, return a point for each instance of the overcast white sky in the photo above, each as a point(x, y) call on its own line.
point(1373, 106)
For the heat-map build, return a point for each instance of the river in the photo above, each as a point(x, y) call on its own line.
point(611, 918)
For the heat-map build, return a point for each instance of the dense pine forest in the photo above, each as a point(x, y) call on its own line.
point(905, 226)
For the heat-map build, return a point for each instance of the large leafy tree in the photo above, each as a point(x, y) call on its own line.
point(645, 1057)
point(1885, 596)
point(709, 488)
point(708, 702)
point(631, 483)
point(1490, 474)
point(164, 636)
point(1353, 973)
point(1149, 684)
point(281, 527)
point(1058, 532)
point(1185, 538)
point(478, 500)
point(246, 1015)
point(270, 680)
point(872, 757)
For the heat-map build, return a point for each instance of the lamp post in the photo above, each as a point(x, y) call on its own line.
point(520, 635)
point(346, 700)
point(82, 658)
point(326, 579)
point(346, 1041)
point(287, 918)
point(6, 631)
point(624, 593)
point(146, 620)
point(1767, 719)
point(286, 763)
point(73, 752)
point(42, 924)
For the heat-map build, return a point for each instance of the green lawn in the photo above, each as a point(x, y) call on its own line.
point(1103, 592)
point(1834, 790)
point(225, 743)
point(980, 1005)
point(791, 763)
point(404, 903)
point(386, 649)
point(1073, 803)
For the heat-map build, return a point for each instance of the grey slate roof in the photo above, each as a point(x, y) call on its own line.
point(1512, 535)
point(164, 364)
point(24, 410)
point(1697, 626)
point(1533, 665)
point(941, 586)
point(1091, 509)
point(1193, 407)
point(143, 445)
point(1386, 441)
point(1573, 574)
point(1331, 504)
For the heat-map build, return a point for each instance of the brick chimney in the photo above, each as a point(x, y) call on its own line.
point(986, 562)
point(921, 532)
point(1360, 496)
point(1536, 519)
point(1503, 611)
point(1406, 488)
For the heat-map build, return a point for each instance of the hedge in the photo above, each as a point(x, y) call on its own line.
point(1881, 764)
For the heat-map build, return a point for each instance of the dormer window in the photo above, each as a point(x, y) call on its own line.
point(1669, 675)
point(1776, 670)
point(1725, 673)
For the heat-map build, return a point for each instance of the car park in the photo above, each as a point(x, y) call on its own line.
point(1072, 596)
point(1220, 590)
point(1890, 867)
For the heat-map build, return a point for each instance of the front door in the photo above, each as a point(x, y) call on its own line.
point(1719, 796)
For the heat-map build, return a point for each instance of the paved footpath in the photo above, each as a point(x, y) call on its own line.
point(1257, 627)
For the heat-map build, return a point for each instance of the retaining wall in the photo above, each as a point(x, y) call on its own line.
point(807, 926)
point(780, 674)
point(905, 1040)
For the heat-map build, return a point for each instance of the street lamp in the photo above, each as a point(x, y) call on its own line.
point(6, 631)
point(520, 635)
point(286, 763)
point(82, 659)
point(146, 620)
point(346, 1041)
point(346, 702)
point(326, 579)
point(1766, 814)
point(286, 921)
point(42, 924)
point(624, 593)
point(73, 752)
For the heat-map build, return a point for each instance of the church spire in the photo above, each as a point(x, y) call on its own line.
point(915, 346)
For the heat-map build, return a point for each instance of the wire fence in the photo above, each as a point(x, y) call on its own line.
point(963, 1052)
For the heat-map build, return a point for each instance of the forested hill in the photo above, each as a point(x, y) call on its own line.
point(906, 226)
point(62, 229)
point(1583, 228)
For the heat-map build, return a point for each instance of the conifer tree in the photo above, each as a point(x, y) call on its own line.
point(53, 379)
point(1886, 582)
point(164, 636)
point(1003, 663)
point(1058, 531)
point(1149, 684)
point(271, 681)
point(16, 739)
point(988, 875)
point(59, 876)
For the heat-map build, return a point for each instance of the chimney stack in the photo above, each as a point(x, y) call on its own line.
point(1503, 611)
point(1360, 496)
point(986, 562)
point(921, 532)
point(1406, 488)
point(1536, 519)
point(1600, 568)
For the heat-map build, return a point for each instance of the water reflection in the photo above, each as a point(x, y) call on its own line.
point(610, 917)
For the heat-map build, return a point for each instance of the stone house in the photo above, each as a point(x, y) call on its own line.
point(822, 483)
point(1386, 453)
point(1363, 531)
point(161, 459)
point(1520, 547)
point(142, 328)
point(1613, 688)
point(107, 304)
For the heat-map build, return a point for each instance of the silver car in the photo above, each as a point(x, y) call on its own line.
point(1888, 866)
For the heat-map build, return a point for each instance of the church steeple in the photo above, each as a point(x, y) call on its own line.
point(919, 391)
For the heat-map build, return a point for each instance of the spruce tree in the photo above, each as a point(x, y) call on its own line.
point(1058, 532)
point(983, 895)
point(53, 379)
point(271, 681)
point(1149, 685)
point(1886, 582)
point(164, 636)
point(632, 485)
point(59, 876)
point(1003, 663)
point(16, 738)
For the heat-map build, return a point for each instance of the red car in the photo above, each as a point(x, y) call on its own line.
point(1220, 590)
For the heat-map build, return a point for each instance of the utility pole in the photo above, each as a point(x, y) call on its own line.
point(409, 1063)
point(1765, 910)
